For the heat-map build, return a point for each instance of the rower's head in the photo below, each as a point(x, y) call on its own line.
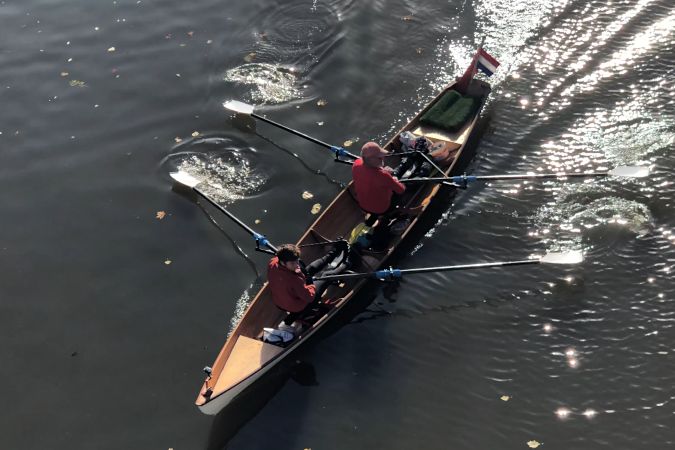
point(289, 256)
point(373, 155)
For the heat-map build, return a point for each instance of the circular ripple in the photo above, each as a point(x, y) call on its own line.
point(228, 171)
point(290, 42)
point(300, 32)
point(270, 83)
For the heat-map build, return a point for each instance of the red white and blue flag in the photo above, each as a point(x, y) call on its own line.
point(486, 63)
point(482, 61)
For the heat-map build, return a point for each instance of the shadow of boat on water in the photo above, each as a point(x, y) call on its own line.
point(246, 406)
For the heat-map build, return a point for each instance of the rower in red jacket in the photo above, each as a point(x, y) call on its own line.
point(292, 288)
point(374, 183)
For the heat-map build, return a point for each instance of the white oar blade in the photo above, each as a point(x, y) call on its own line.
point(240, 107)
point(630, 171)
point(570, 257)
point(185, 179)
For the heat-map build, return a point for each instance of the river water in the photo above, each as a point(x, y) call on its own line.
point(115, 291)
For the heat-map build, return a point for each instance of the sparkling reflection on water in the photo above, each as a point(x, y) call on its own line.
point(576, 357)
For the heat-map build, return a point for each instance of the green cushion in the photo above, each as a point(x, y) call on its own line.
point(451, 112)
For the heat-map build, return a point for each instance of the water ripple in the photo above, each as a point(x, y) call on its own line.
point(229, 174)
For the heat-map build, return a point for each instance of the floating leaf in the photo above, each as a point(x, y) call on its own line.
point(195, 133)
point(316, 208)
point(167, 262)
point(111, 49)
point(161, 215)
point(307, 195)
point(77, 83)
point(250, 57)
point(533, 444)
point(321, 102)
point(348, 143)
point(505, 398)
point(178, 140)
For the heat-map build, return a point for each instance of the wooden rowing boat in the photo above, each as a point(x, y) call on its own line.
point(245, 357)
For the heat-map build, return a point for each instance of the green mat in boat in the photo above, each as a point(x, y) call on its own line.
point(451, 112)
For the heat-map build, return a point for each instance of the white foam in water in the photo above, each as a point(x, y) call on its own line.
point(225, 180)
point(270, 83)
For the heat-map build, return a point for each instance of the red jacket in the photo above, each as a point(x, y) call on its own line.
point(374, 187)
point(289, 291)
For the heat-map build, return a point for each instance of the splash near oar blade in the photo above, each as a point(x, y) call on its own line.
point(630, 171)
point(185, 178)
point(239, 107)
point(570, 257)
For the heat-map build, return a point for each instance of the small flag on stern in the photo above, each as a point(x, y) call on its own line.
point(481, 60)
point(486, 63)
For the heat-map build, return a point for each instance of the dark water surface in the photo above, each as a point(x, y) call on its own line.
point(108, 313)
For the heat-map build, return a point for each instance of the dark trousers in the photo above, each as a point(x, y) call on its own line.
point(319, 286)
point(393, 206)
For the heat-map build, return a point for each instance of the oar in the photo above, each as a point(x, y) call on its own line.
point(188, 180)
point(246, 109)
point(571, 257)
point(463, 180)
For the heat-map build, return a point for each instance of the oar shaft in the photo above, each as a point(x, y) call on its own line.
point(541, 175)
point(338, 151)
point(431, 161)
point(389, 274)
point(468, 178)
point(469, 266)
point(261, 239)
point(291, 130)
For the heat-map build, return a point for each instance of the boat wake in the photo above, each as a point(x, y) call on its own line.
point(239, 309)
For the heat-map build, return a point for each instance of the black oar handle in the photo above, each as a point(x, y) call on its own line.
point(338, 151)
point(260, 240)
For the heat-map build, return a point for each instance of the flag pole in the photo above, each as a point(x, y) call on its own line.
point(465, 80)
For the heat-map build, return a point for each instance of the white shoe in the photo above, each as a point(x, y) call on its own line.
point(297, 327)
point(283, 327)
